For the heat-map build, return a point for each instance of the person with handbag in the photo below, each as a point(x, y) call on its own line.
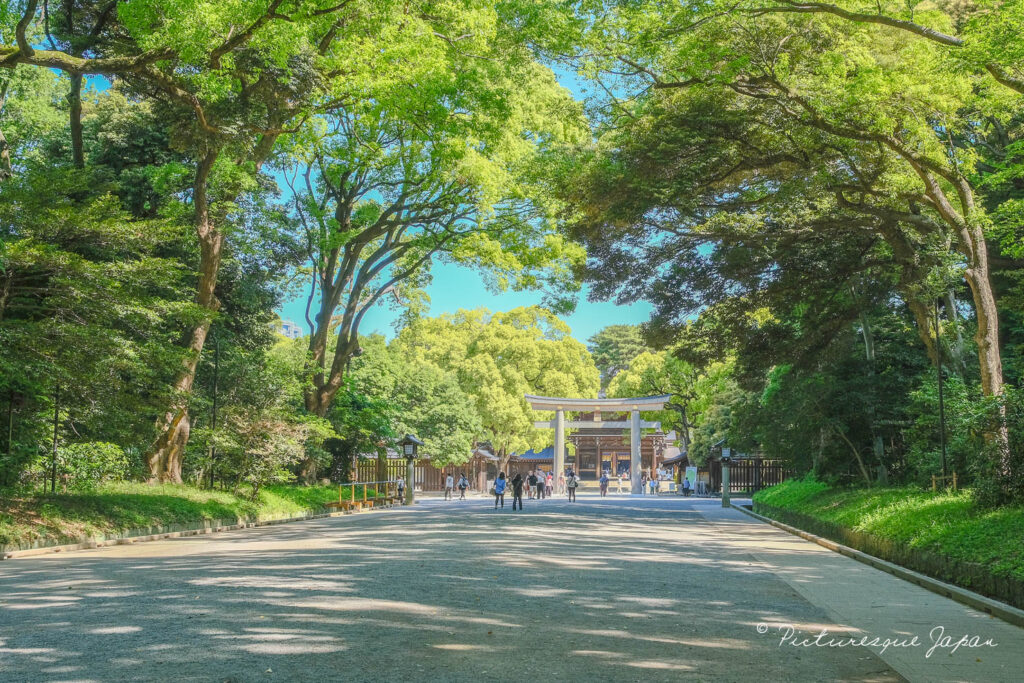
point(570, 484)
point(499, 490)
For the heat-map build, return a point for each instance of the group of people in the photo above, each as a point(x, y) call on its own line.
point(450, 485)
point(540, 485)
point(536, 484)
point(651, 484)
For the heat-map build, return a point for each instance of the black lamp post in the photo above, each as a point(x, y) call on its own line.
point(410, 446)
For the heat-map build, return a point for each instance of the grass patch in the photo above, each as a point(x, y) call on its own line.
point(948, 524)
point(115, 508)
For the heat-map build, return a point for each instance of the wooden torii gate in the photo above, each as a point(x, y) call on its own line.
point(596, 405)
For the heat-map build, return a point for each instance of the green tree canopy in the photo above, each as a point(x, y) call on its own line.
point(614, 347)
point(500, 357)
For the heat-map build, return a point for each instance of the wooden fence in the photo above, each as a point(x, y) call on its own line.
point(745, 476)
point(428, 476)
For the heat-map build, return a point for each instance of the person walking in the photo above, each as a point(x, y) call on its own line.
point(531, 481)
point(449, 486)
point(517, 491)
point(571, 482)
point(643, 483)
point(463, 485)
point(686, 487)
point(653, 483)
point(499, 490)
point(548, 485)
point(561, 483)
point(541, 479)
point(621, 477)
point(604, 483)
point(401, 490)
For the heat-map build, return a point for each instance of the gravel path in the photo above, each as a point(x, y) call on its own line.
point(605, 589)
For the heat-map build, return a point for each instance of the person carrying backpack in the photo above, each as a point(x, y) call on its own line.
point(463, 485)
point(570, 485)
point(517, 491)
point(499, 490)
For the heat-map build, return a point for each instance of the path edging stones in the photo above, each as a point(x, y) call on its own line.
point(160, 532)
point(979, 602)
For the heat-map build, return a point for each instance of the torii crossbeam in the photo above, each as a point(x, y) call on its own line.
point(597, 405)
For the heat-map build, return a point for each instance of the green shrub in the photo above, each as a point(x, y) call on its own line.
point(85, 465)
point(946, 522)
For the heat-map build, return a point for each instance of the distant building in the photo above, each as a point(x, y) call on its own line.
point(290, 329)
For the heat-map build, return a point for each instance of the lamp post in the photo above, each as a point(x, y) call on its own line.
point(410, 445)
point(726, 457)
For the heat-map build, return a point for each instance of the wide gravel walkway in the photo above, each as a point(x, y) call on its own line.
point(621, 588)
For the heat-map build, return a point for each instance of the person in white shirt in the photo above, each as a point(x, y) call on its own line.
point(449, 487)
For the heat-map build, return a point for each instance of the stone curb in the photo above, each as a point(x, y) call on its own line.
point(995, 608)
point(161, 532)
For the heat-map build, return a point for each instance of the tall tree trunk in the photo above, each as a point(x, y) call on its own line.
point(75, 102)
point(56, 426)
point(165, 458)
point(10, 422)
point(971, 242)
point(5, 148)
point(912, 274)
point(923, 318)
point(503, 460)
point(869, 355)
point(987, 334)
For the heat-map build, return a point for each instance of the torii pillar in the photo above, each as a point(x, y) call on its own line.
point(636, 486)
point(559, 455)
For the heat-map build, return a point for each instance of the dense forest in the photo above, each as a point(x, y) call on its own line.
point(823, 203)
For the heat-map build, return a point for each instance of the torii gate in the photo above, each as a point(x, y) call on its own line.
point(597, 405)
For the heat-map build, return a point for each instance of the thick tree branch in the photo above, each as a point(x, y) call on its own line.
point(860, 17)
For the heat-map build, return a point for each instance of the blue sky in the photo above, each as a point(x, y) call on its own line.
point(454, 287)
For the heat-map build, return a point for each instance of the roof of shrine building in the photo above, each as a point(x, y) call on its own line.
point(597, 404)
point(546, 454)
